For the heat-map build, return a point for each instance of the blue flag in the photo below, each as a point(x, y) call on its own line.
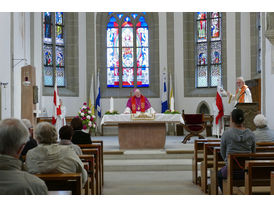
point(98, 98)
point(164, 94)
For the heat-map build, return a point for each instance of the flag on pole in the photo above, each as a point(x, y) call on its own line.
point(98, 98)
point(219, 104)
point(91, 97)
point(170, 90)
point(164, 93)
point(56, 103)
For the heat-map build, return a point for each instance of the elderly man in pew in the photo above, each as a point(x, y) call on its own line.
point(262, 132)
point(50, 157)
point(14, 181)
point(237, 139)
point(31, 143)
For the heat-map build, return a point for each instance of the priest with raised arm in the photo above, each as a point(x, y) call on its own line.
point(138, 103)
point(242, 95)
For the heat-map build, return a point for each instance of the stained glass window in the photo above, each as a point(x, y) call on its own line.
point(127, 50)
point(112, 53)
point(208, 49)
point(53, 22)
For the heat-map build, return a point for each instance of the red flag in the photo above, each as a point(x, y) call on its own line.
point(219, 104)
point(56, 104)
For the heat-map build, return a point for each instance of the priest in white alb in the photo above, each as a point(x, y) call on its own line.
point(138, 103)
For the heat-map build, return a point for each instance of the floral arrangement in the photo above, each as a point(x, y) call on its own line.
point(168, 111)
point(88, 120)
point(110, 113)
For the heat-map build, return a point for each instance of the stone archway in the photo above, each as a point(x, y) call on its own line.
point(203, 108)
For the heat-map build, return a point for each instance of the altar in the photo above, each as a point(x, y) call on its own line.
point(142, 133)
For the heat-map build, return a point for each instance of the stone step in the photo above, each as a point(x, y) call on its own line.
point(148, 154)
point(148, 165)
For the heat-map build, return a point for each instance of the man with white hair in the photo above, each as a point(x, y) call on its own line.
point(243, 94)
point(14, 181)
point(262, 132)
point(138, 103)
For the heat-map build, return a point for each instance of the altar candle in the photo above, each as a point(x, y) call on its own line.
point(111, 105)
point(172, 104)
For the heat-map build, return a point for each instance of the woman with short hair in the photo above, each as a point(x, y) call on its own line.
point(50, 157)
point(79, 137)
point(65, 134)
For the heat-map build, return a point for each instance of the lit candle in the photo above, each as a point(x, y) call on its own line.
point(111, 105)
point(172, 104)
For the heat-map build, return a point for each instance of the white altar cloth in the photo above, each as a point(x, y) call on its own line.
point(126, 118)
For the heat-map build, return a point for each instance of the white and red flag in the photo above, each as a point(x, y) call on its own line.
point(220, 110)
point(56, 104)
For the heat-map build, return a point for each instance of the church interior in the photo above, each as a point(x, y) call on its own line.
point(95, 63)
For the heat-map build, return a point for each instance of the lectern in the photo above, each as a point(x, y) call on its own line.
point(250, 111)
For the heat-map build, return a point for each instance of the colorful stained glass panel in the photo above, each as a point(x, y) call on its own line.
point(60, 74)
point(202, 76)
point(202, 54)
point(127, 57)
point(127, 37)
point(47, 17)
point(48, 76)
point(214, 14)
point(112, 77)
point(215, 29)
point(112, 37)
point(128, 77)
point(142, 37)
point(47, 55)
point(201, 15)
point(216, 55)
point(216, 74)
point(47, 34)
point(60, 59)
point(202, 30)
point(59, 35)
point(59, 18)
point(143, 77)
point(112, 57)
point(142, 57)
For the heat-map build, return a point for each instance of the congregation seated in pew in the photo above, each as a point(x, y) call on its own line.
point(50, 157)
point(14, 181)
point(65, 134)
point(79, 137)
point(237, 139)
point(31, 143)
point(262, 132)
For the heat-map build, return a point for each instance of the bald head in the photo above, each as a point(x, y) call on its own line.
point(240, 82)
point(137, 93)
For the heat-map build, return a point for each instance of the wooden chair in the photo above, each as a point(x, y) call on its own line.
point(256, 174)
point(198, 148)
point(272, 183)
point(236, 163)
point(207, 163)
point(194, 124)
point(62, 182)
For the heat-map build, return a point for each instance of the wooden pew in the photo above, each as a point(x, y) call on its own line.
point(99, 145)
point(218, 163)
point(61, 182)
point(198, 148)
point(90, 167)
point(207, 163)
point(272, 183)
point(98, 183)
point(259, 144)
point(236, 162)
point(256, 174)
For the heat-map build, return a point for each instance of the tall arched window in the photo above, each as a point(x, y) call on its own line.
point(53, 48)
point(208, 49)
point(127, 50)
